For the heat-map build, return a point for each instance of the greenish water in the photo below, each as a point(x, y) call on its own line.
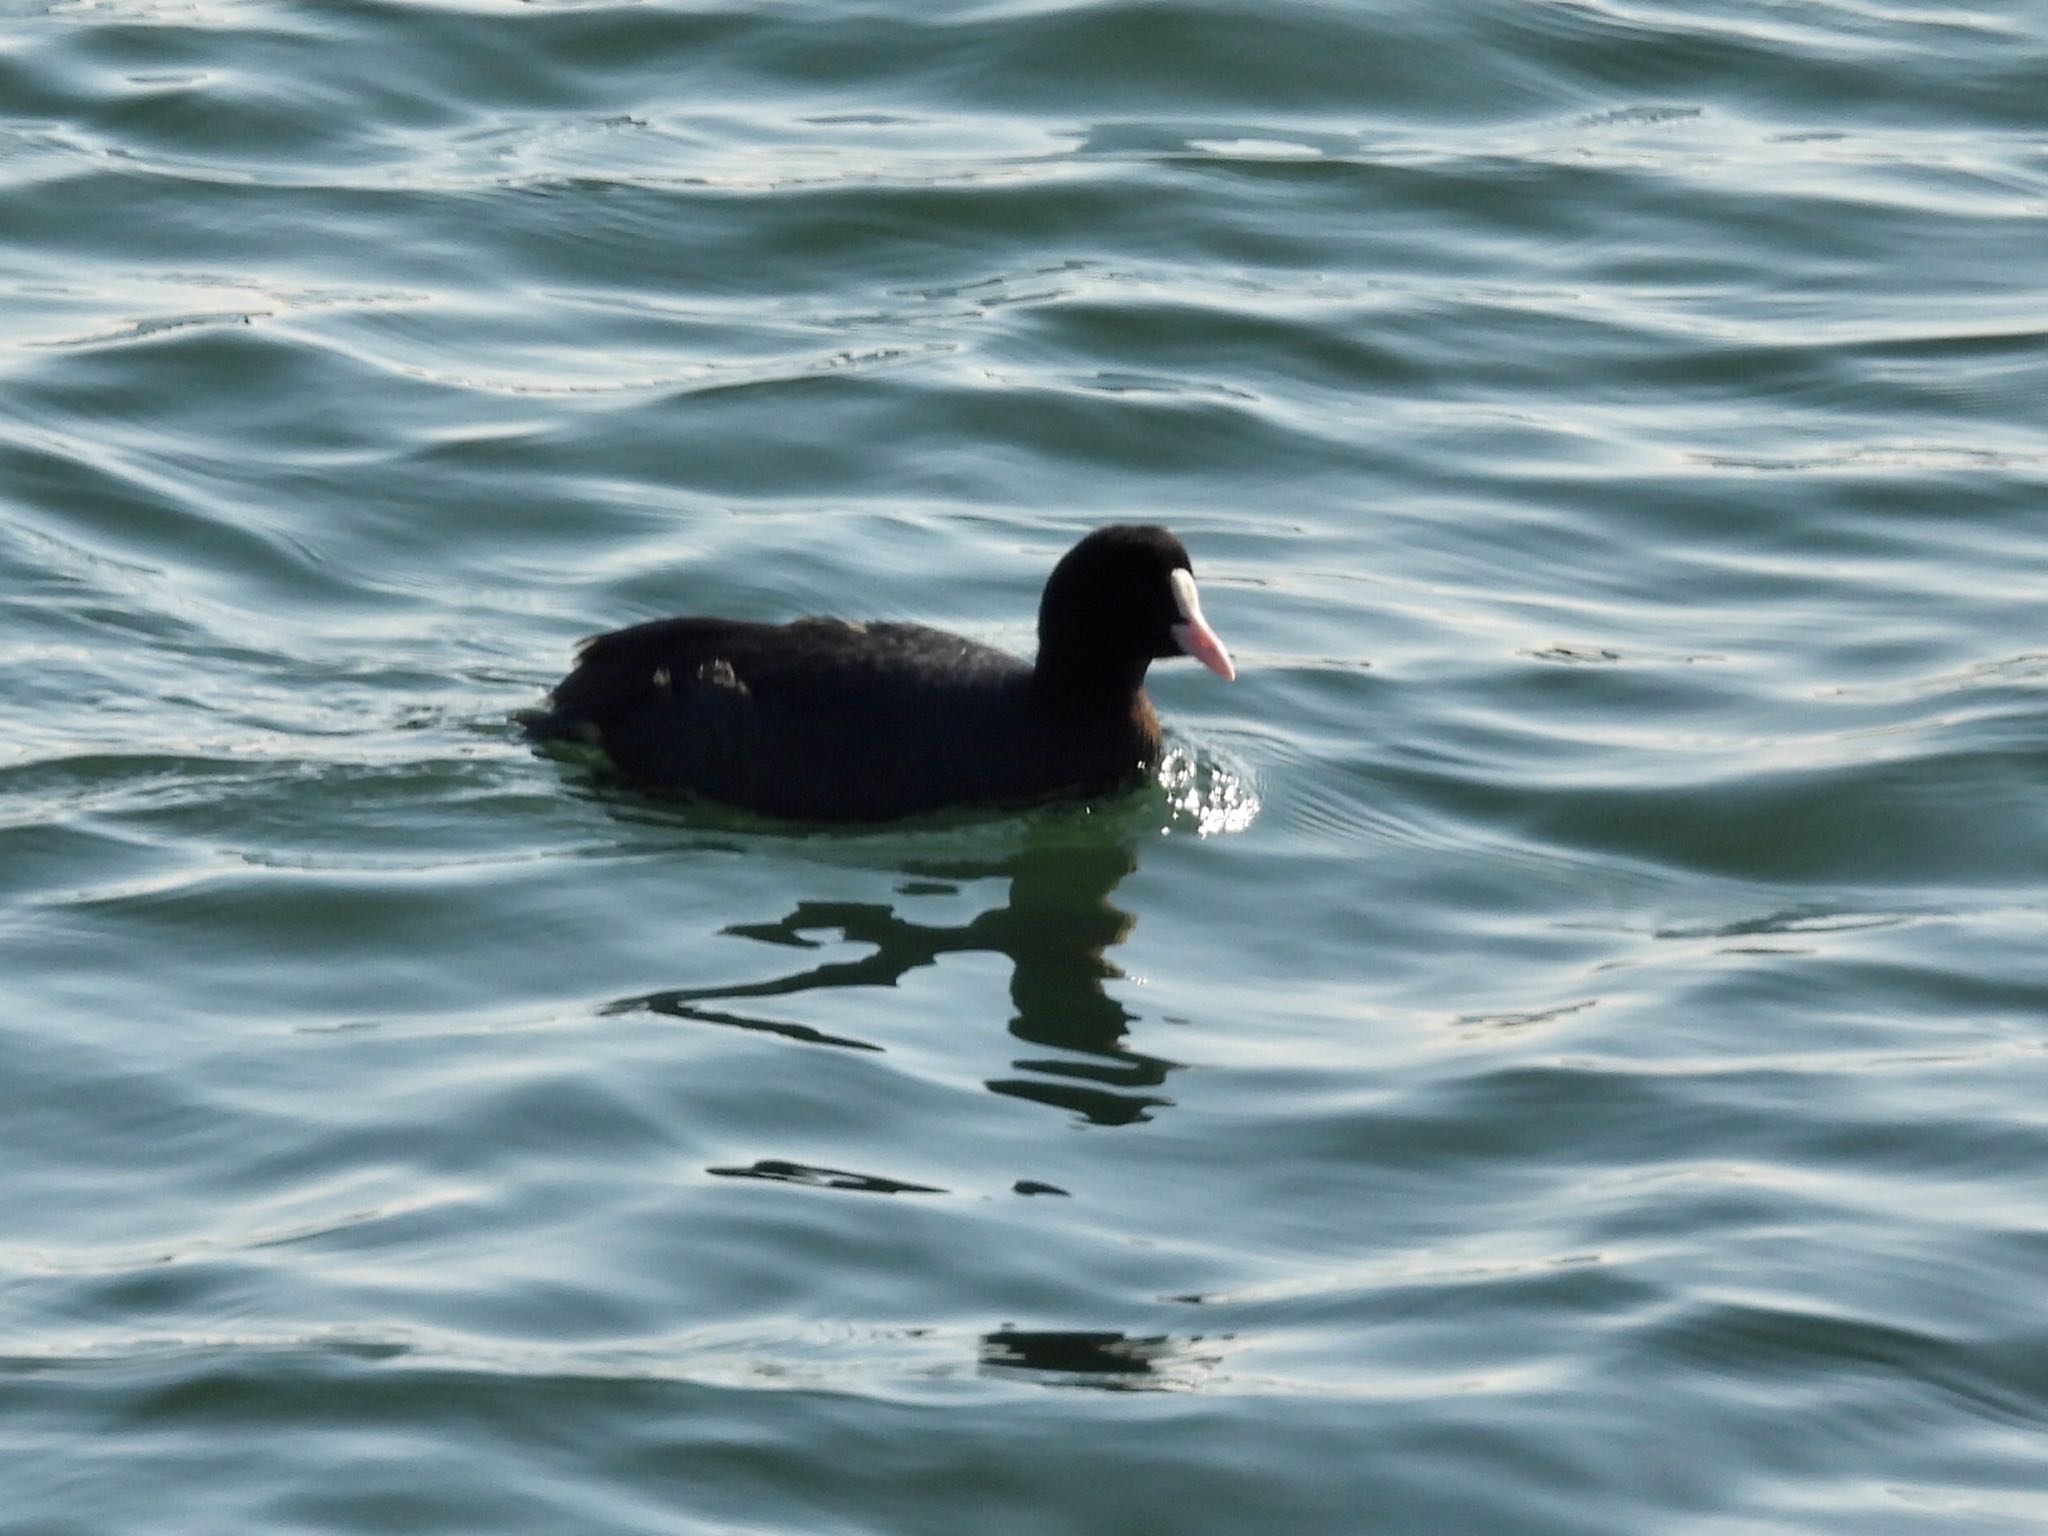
point(1562, 1052)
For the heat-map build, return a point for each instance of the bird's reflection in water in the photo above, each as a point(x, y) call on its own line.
point(1056, 930)
point(776, 1170)
point(1119, 1361)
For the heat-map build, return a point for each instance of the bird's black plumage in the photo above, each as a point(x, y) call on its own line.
point(825, 720)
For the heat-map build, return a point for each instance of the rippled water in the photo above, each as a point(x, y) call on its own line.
point(1562, 1050)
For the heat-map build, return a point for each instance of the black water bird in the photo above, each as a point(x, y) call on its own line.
point(825, 720)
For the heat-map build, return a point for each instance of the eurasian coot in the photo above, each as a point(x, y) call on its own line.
point(825, 720)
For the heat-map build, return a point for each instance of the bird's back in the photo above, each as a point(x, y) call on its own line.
point(825, 720)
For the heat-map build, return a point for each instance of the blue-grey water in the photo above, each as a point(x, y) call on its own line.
point(1564, 1048)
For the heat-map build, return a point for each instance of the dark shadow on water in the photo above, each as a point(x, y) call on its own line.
point(1056, 930)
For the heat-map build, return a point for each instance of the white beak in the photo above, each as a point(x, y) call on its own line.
point(1193, 634)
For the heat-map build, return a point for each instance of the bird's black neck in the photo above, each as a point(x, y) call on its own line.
point(1088, 681)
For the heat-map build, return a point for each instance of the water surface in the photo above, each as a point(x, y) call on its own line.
point(1562, 1049)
